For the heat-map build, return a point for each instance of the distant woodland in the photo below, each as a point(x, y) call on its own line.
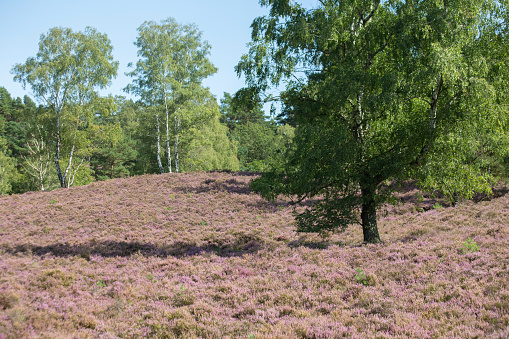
point(74, 136)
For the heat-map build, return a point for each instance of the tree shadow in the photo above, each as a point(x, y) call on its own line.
point(498, 192)
point(244, 244)
point(409, 192)
point(230, 186)
point(317, 244)
point(284, 203)
point(238, 173)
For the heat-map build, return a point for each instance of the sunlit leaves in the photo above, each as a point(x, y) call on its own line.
point(376, 88)
point(68, 70)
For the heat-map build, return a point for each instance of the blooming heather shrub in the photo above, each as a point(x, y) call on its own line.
point(200, 255)
point(8, 299)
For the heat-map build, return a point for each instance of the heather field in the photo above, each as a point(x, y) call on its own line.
point(201, 256)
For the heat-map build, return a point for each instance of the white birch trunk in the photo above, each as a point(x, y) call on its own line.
point(177, 131)
point(434, 106)
point(168, 150)
point(158, 152)
point(37, 168)
point(61, 179)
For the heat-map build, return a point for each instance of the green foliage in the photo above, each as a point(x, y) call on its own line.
point(207, 146)
point(7, 164)
point(183, 297)
point(261, 145)
point(35, 151)
point(8, 171)
point(256, 143)
point(167, 77)
point(115, 160)
point(244, 108)
point(173, 61)
point(68, 70)
point(361, 276)
point(379, 91)
point(470, 246)
point(115, 154)
point(437, 206)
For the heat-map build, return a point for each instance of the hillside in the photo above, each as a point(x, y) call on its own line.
point(200, 255)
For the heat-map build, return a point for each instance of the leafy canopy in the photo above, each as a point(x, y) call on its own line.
point(66, 74)
point(173, 62)
point(377, 90)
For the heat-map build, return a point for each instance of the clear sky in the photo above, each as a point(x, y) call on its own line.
point(225, 25)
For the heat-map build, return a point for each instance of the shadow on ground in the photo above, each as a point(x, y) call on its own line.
point(498, 192)
point(230, 186)
point(243, 245)
point(310, 244)
point(409, 193)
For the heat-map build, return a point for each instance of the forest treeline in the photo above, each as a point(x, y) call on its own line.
point(121, 141)
point(75, 136)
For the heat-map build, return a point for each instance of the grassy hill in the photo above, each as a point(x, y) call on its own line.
point(200, 255)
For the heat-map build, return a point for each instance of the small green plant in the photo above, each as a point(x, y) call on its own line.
point(183, 297)
point(361, 276)
point(170, 208)
point(151, 277)
point(204, 223)
point(437, 206)
point(251, 336)
point(281, 208)
point(52, 201)
point(470, 246)
point(172, 196)
point(101, 283)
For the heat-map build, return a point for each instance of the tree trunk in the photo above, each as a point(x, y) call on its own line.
point(168, 149)
point(177, 129)
point(434, 106)
point(158, 152)
point(433, 115)
point(111, 169)
point(61, 179)
point(67, 174)
point(368, 213)
point(37, 168)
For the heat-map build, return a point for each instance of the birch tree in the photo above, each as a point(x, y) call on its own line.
point(376, 88)
point(65, 75)
point(173, 62)
point(38, 160)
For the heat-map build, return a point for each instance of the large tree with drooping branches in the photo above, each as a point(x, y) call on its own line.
point(380, 91)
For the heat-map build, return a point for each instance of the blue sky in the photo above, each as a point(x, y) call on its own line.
point(225, 25)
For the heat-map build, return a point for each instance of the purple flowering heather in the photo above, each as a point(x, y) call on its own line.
point(200, 255)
